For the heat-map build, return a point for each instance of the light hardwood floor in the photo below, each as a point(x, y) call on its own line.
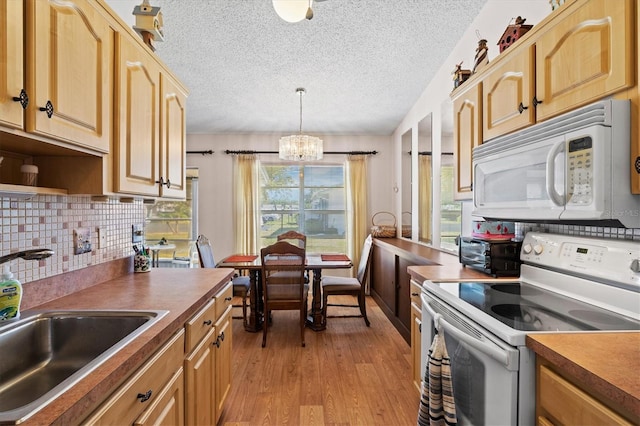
point(348, 374)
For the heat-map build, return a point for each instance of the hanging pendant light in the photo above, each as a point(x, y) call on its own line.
point(293, 10)
point(300, 147)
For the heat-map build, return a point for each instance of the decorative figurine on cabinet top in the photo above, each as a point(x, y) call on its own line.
point(513, 33)
point(460, 75)
point(482, 57)
point(148, 23)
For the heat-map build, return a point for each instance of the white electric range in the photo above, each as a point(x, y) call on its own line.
point(567, 284)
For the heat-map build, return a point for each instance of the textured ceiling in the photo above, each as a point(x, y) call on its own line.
point(364, 63)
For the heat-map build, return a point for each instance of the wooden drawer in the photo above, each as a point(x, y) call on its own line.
point(200, 324)
point(223, 300)
point(561, 402)
point(124, 406)
point(416, 291)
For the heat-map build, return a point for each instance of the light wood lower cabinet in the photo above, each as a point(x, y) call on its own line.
point(416, 352)
point(223, 361)
point(139, 397)
point(168, 408)
point(561, 402)
point(200, 389)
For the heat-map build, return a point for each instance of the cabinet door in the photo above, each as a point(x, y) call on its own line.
point(467, 133)
point(506, 95)
point(585, 56)
point(200, 388)
point(137, 154)
point(173, 136)
point(416, 350)
point(168, 408)
point(403, 296)
point(223, 361)
point(11, 63)
point(383, 273)
point(69, 72)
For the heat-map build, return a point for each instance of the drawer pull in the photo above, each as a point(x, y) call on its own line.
point(143, 397)
point(207, 322)
point(415, 294)
point(228, 299)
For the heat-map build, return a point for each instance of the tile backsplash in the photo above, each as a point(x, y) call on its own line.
point(580, 231)
point(48, 221)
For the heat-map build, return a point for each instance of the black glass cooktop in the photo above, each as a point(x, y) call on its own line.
point(525, 307)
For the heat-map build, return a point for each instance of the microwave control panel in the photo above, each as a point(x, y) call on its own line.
point(580, 171)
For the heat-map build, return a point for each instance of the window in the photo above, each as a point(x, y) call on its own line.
point(307, 198)
point(450, 210)
point(176, 222)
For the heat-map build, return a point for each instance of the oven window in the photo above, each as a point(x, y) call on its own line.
point(469, 382)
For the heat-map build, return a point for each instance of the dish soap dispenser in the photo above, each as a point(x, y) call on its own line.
point(10, 295)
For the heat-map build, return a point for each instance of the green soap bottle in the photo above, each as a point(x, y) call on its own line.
point(10, 295)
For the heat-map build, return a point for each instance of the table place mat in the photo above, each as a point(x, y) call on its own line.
point(241, 258)
point(335, 258)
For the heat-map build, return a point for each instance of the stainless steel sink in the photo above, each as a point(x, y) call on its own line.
point(45, 353)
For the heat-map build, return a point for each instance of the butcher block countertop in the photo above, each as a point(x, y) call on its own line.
point(606, 364)
point(180, 291)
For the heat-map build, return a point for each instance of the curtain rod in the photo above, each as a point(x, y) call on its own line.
point(228, 151)
point(208, 152)
point(429, 153)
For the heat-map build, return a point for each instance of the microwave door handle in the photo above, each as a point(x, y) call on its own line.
point(507, 357)
point(557, 199)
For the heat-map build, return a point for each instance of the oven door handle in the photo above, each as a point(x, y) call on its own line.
point(506, 356)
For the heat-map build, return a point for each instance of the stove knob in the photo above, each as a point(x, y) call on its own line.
point(635, 265)
point(537, 249)
point(526, 248)
point(537, 324)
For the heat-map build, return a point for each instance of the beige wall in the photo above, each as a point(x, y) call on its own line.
point(215, 176)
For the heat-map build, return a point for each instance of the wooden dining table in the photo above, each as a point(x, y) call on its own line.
point(315, 263)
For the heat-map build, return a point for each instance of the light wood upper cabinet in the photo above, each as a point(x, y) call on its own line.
point(467, 133)
point(137, 145)
point(173, 135)
point(507, 94)
point(585, 56)
point(69, 63)
point(11, 63)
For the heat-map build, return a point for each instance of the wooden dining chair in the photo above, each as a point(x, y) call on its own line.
point(283, 283)
point(241, 283)
point(295, 237)
point(351, 286)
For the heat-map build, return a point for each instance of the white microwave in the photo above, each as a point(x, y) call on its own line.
point(573, 169)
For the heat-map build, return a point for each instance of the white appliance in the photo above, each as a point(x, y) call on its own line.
point(574, 168)
point(567, 284)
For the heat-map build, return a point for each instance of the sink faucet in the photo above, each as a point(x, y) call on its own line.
point(33, 254)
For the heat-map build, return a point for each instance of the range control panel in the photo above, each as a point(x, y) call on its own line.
point(610, 260)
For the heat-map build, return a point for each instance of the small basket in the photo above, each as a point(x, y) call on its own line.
point(383, 231)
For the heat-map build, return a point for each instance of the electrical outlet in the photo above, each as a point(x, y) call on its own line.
point(81, 240)
point(136, 233)
point(102, 238)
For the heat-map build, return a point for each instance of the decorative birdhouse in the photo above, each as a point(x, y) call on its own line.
point(148, 23)
point(460, 75)
point(513, 33)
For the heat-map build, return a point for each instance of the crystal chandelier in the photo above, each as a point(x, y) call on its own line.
point(300, 147)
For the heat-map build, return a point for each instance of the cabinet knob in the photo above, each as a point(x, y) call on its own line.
point(222, 336)
point(521, 108)
point(143, 397)
point(637, 164)
point(160, 181)
point(48, 108)
point(535, 102)
point(207, 322)
point(168, 184)
point(217, 342)
point(23, 99)
point(228, 299)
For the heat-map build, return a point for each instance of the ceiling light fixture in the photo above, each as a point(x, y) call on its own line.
point(293, 10)
point(300, 147)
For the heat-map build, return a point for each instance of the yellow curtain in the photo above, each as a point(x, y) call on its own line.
point(357, 203)
point(425, 209)
point(247, 209)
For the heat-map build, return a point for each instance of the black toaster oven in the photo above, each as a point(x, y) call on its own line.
point(500, 258)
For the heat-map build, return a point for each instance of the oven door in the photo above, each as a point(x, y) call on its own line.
point(484, 369)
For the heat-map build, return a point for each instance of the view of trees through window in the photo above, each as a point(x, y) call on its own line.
point(307, 198)
point(450, 210)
